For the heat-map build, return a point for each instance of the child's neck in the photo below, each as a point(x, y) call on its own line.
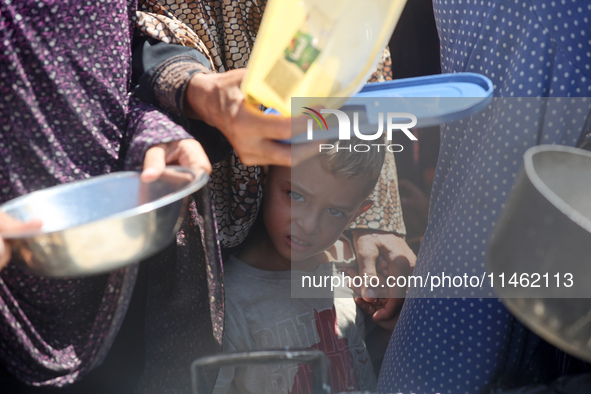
point(259, 252)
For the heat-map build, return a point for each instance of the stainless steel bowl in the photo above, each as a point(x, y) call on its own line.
point(542, 239)
point(102, 223)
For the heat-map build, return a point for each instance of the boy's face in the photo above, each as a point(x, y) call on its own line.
point(306, 208)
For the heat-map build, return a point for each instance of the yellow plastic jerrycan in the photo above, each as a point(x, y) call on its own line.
point(317, 49)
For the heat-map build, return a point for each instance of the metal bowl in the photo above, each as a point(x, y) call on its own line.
point(542, 240)
point(99, 224)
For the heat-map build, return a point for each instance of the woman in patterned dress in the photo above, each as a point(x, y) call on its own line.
point(67, 114)
point(529, 49)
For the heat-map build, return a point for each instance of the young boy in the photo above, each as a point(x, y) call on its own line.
point(305, 211)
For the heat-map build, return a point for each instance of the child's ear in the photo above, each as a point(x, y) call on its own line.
point(365, 205)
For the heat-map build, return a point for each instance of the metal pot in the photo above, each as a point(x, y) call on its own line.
point(543, 242)
point(317, 359)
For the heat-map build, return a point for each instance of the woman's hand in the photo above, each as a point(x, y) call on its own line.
point(385, 312)
point(186, 153)
point(9, 224)
point(218, 100)
point(382, 255)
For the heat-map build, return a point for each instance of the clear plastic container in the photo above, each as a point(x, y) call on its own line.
point(318, 49)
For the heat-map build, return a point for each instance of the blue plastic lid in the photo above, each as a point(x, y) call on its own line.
point(433, 99)
point(467, 93)
point(440, 85)
point(272, 111)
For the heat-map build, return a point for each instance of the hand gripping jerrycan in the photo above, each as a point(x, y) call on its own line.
point(321, 49)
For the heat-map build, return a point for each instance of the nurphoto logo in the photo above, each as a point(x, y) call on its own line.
point(395, 121)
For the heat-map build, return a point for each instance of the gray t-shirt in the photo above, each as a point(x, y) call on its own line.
point(262, 315)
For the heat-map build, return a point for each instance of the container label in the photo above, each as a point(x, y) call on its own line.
point(301, 51)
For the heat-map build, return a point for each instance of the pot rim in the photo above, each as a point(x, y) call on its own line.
point(560, 204)
point(199, 180)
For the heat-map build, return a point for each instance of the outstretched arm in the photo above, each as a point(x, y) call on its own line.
point(381, 249)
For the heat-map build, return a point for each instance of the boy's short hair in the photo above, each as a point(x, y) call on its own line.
point(343, 161)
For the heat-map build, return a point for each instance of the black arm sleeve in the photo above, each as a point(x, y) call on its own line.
point(150, 58)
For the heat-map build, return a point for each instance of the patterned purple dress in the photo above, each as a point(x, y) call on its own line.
point(66, 113)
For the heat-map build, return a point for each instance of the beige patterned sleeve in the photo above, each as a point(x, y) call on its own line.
point(385, 213)
point(237, 194)
point(154, 20)
point(384, 68)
